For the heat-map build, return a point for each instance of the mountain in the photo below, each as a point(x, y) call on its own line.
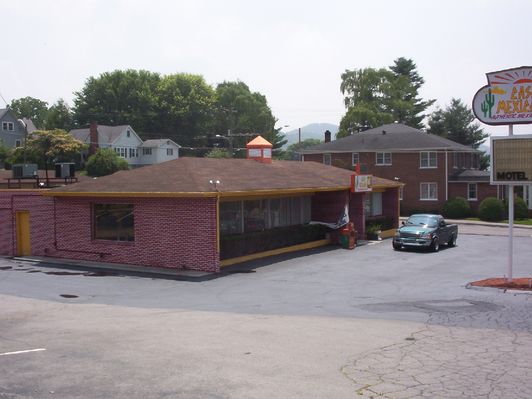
point(311, 131)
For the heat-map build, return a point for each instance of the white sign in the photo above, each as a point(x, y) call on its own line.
point(360, 183)
point(511, 160)
point(507, 99)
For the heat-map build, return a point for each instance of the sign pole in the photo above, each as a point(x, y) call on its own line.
point(509, 278)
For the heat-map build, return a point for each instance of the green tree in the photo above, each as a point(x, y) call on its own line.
point(373, 97)
point(218, 153)
point(457, 123)
point(105, 162)
point(4, 153)
point(119, 98)
point(184, 107)
point(291, 153)
point(32, 108)
point(45, 147)
point(59, 116)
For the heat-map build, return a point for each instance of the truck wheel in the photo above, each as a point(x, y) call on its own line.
point(452, 241)
point(397, 247)
point(435, 246)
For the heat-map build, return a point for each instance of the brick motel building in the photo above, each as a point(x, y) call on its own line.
point(188, 213)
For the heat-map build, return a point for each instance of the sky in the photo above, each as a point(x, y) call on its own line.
point(293, 52)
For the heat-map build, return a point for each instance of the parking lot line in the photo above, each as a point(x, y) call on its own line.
point(19, 352)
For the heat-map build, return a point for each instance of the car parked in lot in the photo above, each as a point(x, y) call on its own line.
point(425, 231)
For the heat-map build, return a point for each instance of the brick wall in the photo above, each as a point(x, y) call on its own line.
point(484, 190)
point(174, 233)
point(406, 167)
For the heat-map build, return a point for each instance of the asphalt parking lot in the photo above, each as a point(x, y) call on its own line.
point(326, 323)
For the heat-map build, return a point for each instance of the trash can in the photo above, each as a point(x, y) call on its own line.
point(348, 236)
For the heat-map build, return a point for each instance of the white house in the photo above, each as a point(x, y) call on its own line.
point(157, 151)
point(127, 144)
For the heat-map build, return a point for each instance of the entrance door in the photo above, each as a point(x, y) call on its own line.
point(23, 233)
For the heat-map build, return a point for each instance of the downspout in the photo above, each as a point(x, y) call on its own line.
point(446, 175)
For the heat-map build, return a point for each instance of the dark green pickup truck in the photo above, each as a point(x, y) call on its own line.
point(425, 231)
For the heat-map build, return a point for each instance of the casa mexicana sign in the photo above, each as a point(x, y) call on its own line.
point(506, 99)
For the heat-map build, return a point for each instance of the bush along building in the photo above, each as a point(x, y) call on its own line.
point(432, 168)
point(189, 213)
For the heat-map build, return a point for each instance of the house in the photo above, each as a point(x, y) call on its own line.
point(432, 168)
point(189, 213)
point(127, 144)
point(13, 131)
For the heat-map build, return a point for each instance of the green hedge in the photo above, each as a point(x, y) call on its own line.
point(235, 245)
point(520, 208)
point(385, 223)
point(456, 208)
point(491, 209)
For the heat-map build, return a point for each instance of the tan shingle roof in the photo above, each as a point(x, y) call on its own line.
point(193, 175)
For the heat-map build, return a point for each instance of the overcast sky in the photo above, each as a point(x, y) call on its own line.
point(291, 51)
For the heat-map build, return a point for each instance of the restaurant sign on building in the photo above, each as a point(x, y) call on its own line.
point(506, 99)
point(511, 160)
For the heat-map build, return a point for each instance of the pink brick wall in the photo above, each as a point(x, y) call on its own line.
point(175, 233)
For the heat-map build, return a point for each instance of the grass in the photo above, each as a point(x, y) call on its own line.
point(527, 222)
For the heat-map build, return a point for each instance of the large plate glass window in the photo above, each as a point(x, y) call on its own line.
point(114, 222)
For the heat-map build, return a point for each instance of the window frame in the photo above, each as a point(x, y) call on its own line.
point(169, 152)
point(469, 185)
point(329, 157)
point(428, 165)
point(428, 185)
point(18, 143)
point(94, 223)
point(8, 126)
point(383, 161)
point(353, 154)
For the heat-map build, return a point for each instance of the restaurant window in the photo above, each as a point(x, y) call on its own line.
point(373, 204)
point(114, 222)
point(254, 216)
point(231, 217)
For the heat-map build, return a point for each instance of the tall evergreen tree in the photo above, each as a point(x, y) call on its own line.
point(457, 123)
point(377, 96)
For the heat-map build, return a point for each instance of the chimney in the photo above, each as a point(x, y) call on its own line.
point(327, 136)
point(93, 135)
point(260, 150)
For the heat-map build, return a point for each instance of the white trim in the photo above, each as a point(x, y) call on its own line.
point(429, 166)
point(428, 191)
point(383, 158)
point(476, 192)
point(353, 163)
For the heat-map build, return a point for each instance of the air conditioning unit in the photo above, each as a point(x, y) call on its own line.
point(24, 171)
point(65, 169)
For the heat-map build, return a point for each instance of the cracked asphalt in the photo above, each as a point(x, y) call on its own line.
point(326, 324)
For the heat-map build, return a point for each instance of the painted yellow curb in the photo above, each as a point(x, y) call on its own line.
point(279, 251)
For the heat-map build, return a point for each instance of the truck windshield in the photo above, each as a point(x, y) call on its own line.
point(421, 220)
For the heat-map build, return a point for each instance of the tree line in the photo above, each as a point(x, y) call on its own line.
point(184, 108)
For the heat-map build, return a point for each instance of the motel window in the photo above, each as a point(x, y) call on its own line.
point(146, 151)
point(114, 222)
point(169, 152)
point(355, 159)
point(428, 159)
point(472, 191)
point(327, 159)
point(10, 126)
point(428, 191)
point(383, 158)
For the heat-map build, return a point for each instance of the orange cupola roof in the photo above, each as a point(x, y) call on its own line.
point(259, 149)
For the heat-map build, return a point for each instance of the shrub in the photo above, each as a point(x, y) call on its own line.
point(520, 208)
point(491, 209)
point(105, 162)
point(456, 208)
